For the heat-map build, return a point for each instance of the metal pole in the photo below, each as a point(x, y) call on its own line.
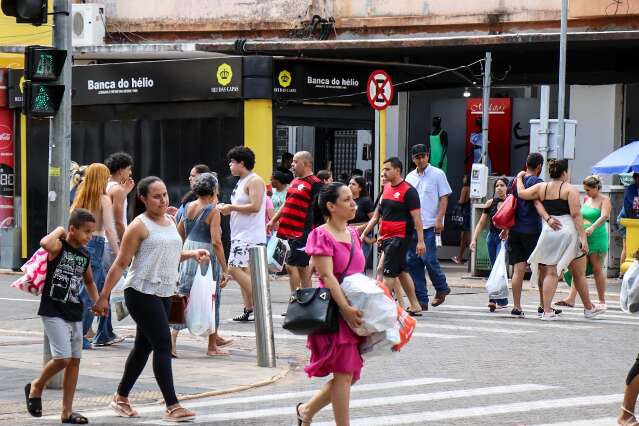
point(264, 338)
point(485, 114)
point(60, 141)
point(561, 98)
point(544, 112)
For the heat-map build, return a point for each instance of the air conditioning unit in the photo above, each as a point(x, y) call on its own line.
point(89, 24)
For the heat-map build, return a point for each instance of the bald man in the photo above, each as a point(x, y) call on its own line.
point(299, 215)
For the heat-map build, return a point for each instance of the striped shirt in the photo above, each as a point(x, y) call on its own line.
point(298, 211)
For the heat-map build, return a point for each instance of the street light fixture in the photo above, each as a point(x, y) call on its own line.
point(466, 92)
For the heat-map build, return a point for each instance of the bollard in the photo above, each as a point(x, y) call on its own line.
point(262, 307)
point(56, 381)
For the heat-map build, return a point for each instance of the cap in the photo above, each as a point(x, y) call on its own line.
point(418, 149)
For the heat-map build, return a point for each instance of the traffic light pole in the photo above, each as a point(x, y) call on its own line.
point(60, 130)
point(60, 144)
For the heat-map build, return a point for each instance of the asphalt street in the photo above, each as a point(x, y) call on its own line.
point(464, 366)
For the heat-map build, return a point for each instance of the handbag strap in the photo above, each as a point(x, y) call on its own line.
point(197, 219)
point(350, 259)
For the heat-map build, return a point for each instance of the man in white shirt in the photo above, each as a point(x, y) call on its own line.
point(433, 189)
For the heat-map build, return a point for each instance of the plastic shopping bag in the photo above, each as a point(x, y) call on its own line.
point(380, 343)
point(276, 252)
point(497, 284)
point(629, 294)
point(118, 306)
point(35, 272)
point(406, 325)
point(379, 310)
point(200, 312)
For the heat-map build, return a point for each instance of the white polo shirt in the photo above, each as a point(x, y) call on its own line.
point(431, 186)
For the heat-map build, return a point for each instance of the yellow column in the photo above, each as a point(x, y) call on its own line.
point(382, 138)
point(258, 134)
point(632, 242)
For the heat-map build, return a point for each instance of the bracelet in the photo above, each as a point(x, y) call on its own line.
point(548, 218)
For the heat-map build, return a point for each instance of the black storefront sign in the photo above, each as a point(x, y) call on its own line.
point(158, 81)
point(14, 91)
point(340, 82)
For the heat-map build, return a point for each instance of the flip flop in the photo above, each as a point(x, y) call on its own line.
point(224, 342)
point(34, 405)
point(414, 313)
point(564, 303)
point(76, 419)
point(218, 353)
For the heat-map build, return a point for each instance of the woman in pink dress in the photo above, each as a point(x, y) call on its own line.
point(337, 353)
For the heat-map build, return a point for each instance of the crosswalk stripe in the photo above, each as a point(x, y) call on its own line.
point(505, 316)
point(603, 421)
point(514, 321)
point(370, 387)
point(580, 312)
point(430, 325)
point(488, 410)
point(373, 402)
point(11, 299)
point(534, 309)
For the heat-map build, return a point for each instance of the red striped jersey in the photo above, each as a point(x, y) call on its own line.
point(396, 205)
point(298, 209)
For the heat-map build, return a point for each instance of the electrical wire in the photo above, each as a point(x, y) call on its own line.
point(617, 5)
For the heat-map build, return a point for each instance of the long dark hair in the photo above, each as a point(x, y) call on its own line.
point(361, 182)
point(329, 194)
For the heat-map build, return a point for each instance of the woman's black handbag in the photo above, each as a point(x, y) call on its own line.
point(313, 310)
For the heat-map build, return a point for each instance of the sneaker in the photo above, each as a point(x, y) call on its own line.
point(540, 311)
point(245, 316)
point(549, 317)
point(596, 310)
point(492, 306)
point(518, 313)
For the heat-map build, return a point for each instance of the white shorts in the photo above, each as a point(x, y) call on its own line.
point(65, 337)
point(239, 255)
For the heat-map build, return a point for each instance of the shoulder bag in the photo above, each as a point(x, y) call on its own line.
point(505, 216)
point(313, 310)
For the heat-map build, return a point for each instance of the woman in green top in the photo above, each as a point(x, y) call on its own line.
point(596, 212)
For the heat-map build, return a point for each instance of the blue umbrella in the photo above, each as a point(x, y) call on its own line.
point(623, 160)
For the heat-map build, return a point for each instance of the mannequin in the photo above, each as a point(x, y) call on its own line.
point(438, 145)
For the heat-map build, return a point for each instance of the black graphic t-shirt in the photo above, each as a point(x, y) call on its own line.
point(61, 292)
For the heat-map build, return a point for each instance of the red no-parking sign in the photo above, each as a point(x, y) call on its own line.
point(380, 90)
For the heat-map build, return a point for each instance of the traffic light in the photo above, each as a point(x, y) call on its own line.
point(33, 12)
point(43, 66)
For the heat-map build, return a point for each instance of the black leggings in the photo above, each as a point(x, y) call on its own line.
point(634, 371)
point(151, 314)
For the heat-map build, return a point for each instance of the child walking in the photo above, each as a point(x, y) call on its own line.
point(61, 310)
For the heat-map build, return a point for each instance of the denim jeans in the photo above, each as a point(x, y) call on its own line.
point(494, 246)
point(417, 264)
point(105, 329)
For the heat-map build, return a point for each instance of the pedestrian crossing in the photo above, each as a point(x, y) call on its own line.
point(399, 403)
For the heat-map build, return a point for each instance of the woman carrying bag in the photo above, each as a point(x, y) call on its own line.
point(200, 229)
point(336, 252)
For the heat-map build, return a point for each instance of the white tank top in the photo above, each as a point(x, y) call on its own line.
point(247, 227)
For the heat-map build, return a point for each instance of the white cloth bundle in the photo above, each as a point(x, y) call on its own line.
point(379, 312)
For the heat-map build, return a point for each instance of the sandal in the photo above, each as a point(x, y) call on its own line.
point(223, 342)
point(631, 421)
point(414, 313)
point(34, 405)
point(76, 419)
point(168, 415)
point(564, 303)
point(122, 408)
point(218, 352)
point(300, 420)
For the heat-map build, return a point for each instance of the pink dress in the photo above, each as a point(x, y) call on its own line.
point(335, 352)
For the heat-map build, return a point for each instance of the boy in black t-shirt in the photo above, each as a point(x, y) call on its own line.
point(61, 310)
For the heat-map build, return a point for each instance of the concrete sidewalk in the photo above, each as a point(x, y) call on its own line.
point(195, 374)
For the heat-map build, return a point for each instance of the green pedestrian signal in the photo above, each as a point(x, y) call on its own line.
point(43, 65)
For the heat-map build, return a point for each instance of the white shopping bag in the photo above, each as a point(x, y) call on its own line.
point(379, 312)
point(629, 294)
point(380, 343)
point(118, 306)
point(276, 252)
point(497, 284)
point(200, 312)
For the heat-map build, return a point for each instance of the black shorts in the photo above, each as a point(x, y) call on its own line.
point(520, 246)
point(297, 256)
point(394, 256)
